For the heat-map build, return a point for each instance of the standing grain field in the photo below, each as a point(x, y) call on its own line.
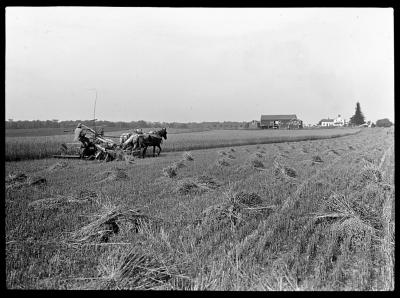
point(23, 148)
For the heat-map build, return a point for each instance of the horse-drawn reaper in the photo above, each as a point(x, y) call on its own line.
point(90, 144)
point(95, 145)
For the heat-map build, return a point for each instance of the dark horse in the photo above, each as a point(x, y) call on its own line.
point(152, 139)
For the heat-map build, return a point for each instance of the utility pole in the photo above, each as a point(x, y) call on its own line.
point(94, 109)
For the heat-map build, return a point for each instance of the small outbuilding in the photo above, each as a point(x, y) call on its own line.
point(280, 122)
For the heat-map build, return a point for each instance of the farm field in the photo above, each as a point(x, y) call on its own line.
point(305, 215)
point(34, 147)
point(37, 132)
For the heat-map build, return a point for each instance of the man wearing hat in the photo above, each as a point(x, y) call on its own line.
point(80, 135)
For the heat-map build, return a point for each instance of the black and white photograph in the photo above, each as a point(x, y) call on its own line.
point(199, 148)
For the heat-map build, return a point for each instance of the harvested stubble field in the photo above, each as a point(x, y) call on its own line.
point(292, 224)
point(36, 147)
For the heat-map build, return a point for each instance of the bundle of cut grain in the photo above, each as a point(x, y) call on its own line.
point(258, 155)
point(16, 181)
point(351, 227)
point(38, 181)
point(188, 156)
point(339, 236)
point(222, 162)
point(222, 153)
point(196, 185)
point(367, 159)
point(207, 182)
point(336, 206)
point(106, 225)
point(342, 245)
point(21, 177)
point(170, 171)
point(237, 209)
point(290, 172)
point(249, 199)
point(317, 159)
point(87, 194)
point(333, 151)
point(142, 271)
point(133, 269)
point(283, 170)
point(186, 186)
point(369, 212)
point(218, 217)
point(256, 163)
point(371, 173)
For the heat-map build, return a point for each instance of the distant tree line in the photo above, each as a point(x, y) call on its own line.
point(384, 123)
point(357, 119)
point(24, 124)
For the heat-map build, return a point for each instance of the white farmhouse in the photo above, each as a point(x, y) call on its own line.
point(339, 121)
point(327, 122)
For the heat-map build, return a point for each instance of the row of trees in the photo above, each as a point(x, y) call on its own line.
point(357, 119)
point(25, 124)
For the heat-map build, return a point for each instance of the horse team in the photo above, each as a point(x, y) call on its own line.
point(139, 140)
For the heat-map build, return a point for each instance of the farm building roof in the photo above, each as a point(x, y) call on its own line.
point(278, 117)
point(327, 120)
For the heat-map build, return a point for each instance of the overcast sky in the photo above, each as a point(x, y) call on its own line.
point(198, 64)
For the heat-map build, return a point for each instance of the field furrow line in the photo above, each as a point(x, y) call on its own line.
point(387, 247)
point(384, 156)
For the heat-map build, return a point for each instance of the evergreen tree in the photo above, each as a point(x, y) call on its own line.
point(358, 117)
